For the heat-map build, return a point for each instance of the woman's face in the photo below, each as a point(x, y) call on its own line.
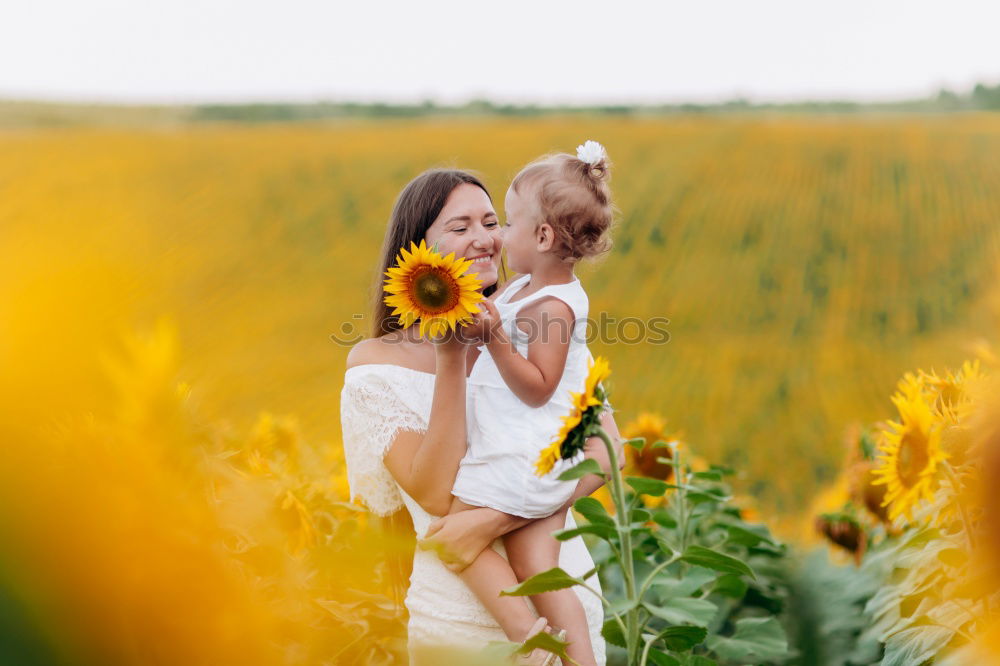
point(468, 226)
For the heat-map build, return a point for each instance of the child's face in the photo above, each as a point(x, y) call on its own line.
point(519, 238)
point(468, 226)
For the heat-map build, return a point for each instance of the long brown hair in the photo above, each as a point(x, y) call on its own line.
point(417, 206)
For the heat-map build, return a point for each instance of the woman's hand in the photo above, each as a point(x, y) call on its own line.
point(484, 323)
point(458, 538)
point(451, 344)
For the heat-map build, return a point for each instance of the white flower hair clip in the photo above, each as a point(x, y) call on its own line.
point(590, 152)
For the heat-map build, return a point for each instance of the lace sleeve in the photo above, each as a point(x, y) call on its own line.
point(371, 414)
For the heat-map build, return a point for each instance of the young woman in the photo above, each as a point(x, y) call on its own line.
point(403, 413)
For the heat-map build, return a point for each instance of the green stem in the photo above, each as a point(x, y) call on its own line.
point(623, 524)
point(649, 579)
point(645, 651)
point(604, 600)
point(682, 515)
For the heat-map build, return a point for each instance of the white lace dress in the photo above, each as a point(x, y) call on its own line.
point(378, 401)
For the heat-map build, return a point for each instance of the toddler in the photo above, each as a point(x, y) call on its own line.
point(558, 211)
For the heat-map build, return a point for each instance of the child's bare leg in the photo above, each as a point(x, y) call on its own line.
point(490, 573)
point(532, 549)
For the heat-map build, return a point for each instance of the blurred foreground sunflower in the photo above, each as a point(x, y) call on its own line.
point(910, 454)
point(433, 289)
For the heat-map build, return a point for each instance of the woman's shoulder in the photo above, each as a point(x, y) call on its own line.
point(366, 352)
point(386, 354)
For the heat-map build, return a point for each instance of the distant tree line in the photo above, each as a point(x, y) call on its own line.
point(981, 98)
point(27, 113)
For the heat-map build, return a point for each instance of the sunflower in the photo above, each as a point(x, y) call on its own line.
point(951, 393)
point(553, 452)
point(434, 289)
point(597, 371)
point(910, 455)
point(652, 428)
point(585, 408)
point(864, 491)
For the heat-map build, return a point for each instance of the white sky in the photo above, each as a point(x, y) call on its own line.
point(507, 50)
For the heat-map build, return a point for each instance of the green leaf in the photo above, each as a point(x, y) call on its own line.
point(662, 658)
point(684, 610)
point(637, 443)
point(698, 660)
point(710, 559)
point(606, 532)
point(664, 519)
point(691, 582)
point(731, 585)
point(700, 496)
point(915, 645)
point(746, 537)
point(664, 545)
point(547, 581)
point(592, 510)
point(641, 516)
point(500, 651)
point(547, 642)
point(586, 467)
point(707, 476)
point(756, 638)
point(621, 606)
point(680, 639)
point(613, 633)
point(644, 486)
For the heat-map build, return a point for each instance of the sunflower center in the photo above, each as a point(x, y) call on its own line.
point(434, 289)
point(912, 458)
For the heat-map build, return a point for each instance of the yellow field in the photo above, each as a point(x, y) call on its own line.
point(804, 263)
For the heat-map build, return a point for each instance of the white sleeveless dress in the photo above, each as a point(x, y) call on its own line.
point(377, 402)
point(506, 435)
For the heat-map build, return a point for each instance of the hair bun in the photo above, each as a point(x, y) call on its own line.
point(595, 157)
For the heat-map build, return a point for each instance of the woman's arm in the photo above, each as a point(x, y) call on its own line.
point(460, 537)
point(425, 464)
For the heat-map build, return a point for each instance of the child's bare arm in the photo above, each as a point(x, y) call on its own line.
point(534, 379)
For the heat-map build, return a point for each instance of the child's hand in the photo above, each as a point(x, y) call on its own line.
point(485, 322)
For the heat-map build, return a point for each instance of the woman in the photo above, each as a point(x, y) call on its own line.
point(403, 412)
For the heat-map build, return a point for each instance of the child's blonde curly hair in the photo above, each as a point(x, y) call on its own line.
point(574, 199)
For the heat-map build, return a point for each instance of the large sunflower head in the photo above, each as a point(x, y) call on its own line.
point(910, 455)
point(433, 289)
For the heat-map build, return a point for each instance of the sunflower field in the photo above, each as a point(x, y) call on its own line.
point(811, 475)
